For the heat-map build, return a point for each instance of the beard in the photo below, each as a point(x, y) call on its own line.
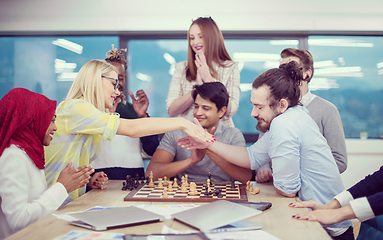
point(263, 125)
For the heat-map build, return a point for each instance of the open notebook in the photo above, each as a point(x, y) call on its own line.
point(219, 216)
point(114, 217)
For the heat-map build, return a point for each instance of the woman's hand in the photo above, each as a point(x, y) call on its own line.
point(308, 204)
point(197, 132)
point(98, 180)
point(198, 137)
point(203, 70)
point(327, 216)
point(73, 179)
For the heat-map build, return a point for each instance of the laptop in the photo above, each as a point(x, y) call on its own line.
point(114, 217)
point(219, 216)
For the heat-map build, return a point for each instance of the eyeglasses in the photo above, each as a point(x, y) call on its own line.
point(116, 84)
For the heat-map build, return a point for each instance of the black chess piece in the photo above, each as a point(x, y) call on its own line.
point(123, 186)
point(232, 185)
point(219, 195)
point(206, 191)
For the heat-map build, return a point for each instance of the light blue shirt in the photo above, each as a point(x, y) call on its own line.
point(301, 159)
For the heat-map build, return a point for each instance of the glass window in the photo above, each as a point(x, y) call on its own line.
point(47, 65)
point(151, 65)
point(348, 72)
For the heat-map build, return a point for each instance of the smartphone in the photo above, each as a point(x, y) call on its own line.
point(261, 206)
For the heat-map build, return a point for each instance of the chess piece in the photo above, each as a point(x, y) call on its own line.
point(233, 185)
point(151, 183)
point(182, 181)
point(247, 185)
point(175, 185)
point(170, 189)
point(250, 187)
point(193, 189)
point(183, 188)
point(186, 181)
point(165, 194)
point(160, 183)
point(165, 181)
point(208, 185)
point(255, 191)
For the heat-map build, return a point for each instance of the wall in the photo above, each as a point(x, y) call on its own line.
point(364, 157)
point(174, 15)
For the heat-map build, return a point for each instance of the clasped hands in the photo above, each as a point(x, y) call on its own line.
point(191, 143)
point(203, 71)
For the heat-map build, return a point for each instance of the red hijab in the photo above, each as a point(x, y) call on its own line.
point(24, 119)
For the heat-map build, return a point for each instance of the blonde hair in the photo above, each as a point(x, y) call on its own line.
point(88, 83)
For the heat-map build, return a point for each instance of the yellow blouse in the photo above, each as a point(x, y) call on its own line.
point(78, 138)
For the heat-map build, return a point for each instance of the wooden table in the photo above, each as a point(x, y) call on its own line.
point(277, 220)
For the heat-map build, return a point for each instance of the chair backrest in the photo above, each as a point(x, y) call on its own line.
point(371, 229)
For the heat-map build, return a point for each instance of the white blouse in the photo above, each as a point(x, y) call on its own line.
point(24, 197)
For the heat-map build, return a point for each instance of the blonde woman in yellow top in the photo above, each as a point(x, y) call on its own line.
point(83, 118)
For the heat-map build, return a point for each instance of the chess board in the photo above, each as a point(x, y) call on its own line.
point(154, 194)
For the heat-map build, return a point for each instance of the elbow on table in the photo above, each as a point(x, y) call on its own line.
point(291, 195)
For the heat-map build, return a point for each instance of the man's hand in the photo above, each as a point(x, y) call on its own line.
point(197, 156)
point(140, 103)
point(263, 176)
point(72, 179)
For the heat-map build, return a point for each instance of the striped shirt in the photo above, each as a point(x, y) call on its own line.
point(80, 127)
point(228, 76)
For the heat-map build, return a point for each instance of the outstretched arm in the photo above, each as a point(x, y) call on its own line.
point(150, 126)
point(236, 172)
point(233, 154)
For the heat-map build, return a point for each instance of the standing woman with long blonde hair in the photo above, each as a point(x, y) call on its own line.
point(208, 61)
point(83, 118)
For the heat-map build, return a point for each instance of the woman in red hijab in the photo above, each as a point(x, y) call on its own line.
point(27, 124)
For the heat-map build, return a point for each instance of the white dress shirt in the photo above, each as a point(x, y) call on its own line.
point(24, 197)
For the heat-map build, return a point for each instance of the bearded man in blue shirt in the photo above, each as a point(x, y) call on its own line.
point(302, 162)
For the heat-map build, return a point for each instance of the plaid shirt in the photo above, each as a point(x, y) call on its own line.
point(80, 127)
point(228, 76)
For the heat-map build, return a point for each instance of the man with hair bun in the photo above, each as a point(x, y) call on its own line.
point(324, 113)
point(302, 162)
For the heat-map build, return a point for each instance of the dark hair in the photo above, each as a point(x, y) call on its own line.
point(214, 91)
point(305, 57)
point(116, 55)
point(213, 43)
point(283, 83)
